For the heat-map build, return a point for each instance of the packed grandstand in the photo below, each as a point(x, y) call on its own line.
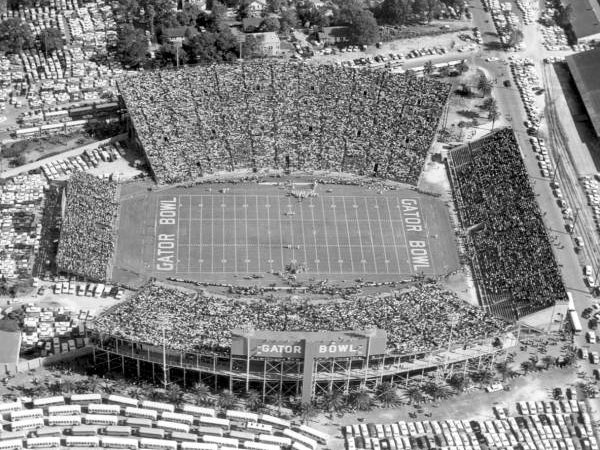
point(513, 258)
point(203, 119)
point(420, 319)
point(87, 237)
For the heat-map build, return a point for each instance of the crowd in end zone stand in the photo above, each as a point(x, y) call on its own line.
point(421, 319)
point(87, 237)
point(509, 237)
point(203, 119)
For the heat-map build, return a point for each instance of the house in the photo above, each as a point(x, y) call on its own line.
point(333, 35)
point(176, 35)
point(256, 8)
point(261, 45)
point(251, 24)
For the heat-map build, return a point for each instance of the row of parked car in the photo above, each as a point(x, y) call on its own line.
point(88, 160)
point(529, 86)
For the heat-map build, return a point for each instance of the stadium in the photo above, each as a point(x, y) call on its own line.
point(291, 191)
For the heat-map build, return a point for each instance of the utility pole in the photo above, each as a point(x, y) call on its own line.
point(575, 219)
point(556, 171)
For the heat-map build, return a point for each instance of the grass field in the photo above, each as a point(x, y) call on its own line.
point(221, 232)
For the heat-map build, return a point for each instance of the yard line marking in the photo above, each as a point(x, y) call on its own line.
point(291, 235)
point(212, 235)
point(393, 235)
point(326, 240)
point(257, 231)
point(303, 236)
point(348, 234)
point(386, 261)
point(363, 261)
point(280, 232)
point(269, 234)
point(246, 230)
point(200, 259)
point(235, 222)
point(371, 236)
point(340, 261)
point(189, 233)
point(314, 233)
point(223, 260)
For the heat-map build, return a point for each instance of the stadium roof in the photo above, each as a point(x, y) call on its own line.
point(585, 67)
point(585, 17)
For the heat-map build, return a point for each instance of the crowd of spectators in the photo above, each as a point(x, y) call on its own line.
point(204, 119)
point(87, 238)
point(495, 200)
point(419, 319)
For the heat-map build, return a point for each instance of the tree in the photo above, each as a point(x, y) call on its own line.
point(175, 394)
point(270, 24)
point(307, 412)
point(288, 20)
point(310, 15)
point(332, 401)
point(168, 54)
point(414, 394)
point(548, 361)
point(133, 46)
point(219, 13)
point(462, 67)
point(484, 85)
point(227, 400)
point(202, 394)
point(428, 68)
point(15, 36)
point(254, 400)
point(274, 6)
point(458, 381)
point(361, 400)
point(515, 38)
point(564, 17)
point(489, 104)
point(51, 39)
point(394, 12)
point(386, 394)
point(362, 27)
point(527, 366)
point(211, 47)
point(437, 389)
point(188, 15)
point(493, 114)
point(483, 376)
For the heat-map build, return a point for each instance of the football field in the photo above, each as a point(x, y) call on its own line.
point(342, 231)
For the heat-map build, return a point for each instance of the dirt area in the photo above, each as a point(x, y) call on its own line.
point(35, 149)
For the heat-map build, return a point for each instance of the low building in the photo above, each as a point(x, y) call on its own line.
point(333, 35)
point(256, 8)
point(258, 45)
point(178, 34)
point(585, 20)
point(584, 68)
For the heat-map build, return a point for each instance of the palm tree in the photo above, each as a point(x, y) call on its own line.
point(493, 114)
point(307, 412)
point(254, 400)
point(227, 400)
point(484, 85)
point(503, 369)
point(414, 394)
point(483, 376)
point(361, 400)
point(458, 381)
point(428, 68)
point(202, 394)
point(462, 66)
point(527, 366)
point(333, 401)
point(174, 394)
point(136, 392)
point(437, 389)
point(386, 394)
